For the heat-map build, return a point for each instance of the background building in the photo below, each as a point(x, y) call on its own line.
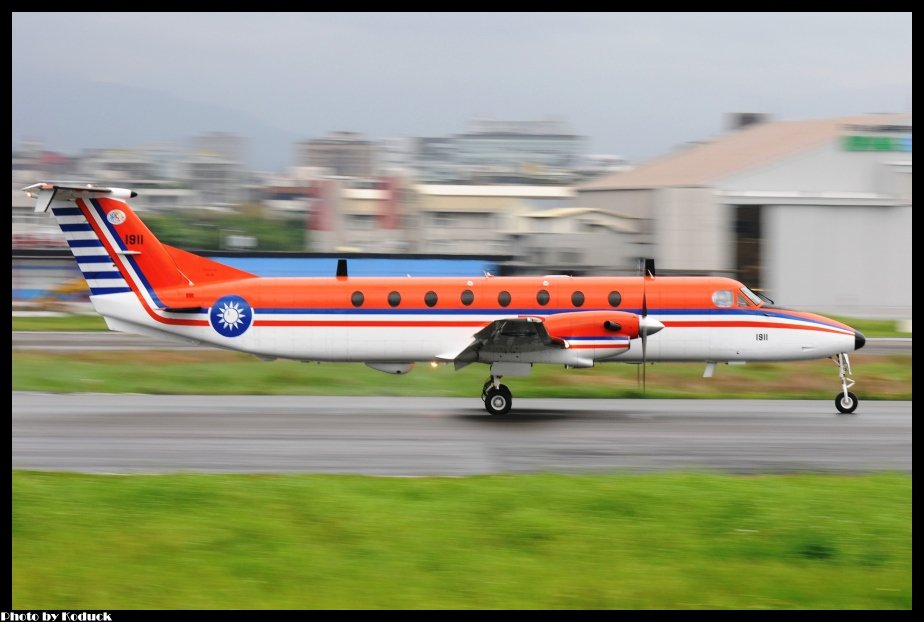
point(345, 154)
point(575, 240)
point(502, 152)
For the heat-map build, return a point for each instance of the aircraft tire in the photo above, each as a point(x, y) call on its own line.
point(498, 401)
point(846, 404)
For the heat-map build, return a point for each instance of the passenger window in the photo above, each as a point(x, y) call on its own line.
point(357, 299)
point(394, 299)
point(577, 299)
point(722, 298)
point(542, 297)
point(503, 299)
point(615, 299)
point(430, 299)
point(467, 297)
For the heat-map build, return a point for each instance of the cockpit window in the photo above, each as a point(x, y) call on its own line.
point(754, 298)
point(723, 298)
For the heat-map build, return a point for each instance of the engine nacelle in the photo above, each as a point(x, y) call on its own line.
point(590, 324)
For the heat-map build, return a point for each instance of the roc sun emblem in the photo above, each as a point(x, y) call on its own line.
point(116, 217)
point(230, 316)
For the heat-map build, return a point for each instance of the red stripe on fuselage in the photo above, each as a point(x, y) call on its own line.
point(373, 323)
point(745, 324)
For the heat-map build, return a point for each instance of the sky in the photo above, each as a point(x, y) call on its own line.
point(634, 84)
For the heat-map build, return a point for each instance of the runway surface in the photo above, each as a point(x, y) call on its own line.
point(108, 340)
point(450, 436)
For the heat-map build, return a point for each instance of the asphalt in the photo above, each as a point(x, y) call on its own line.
point(450, 436)
point(106, 340)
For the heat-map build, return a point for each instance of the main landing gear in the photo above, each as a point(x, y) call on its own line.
point(496, 396)
point(845, 401)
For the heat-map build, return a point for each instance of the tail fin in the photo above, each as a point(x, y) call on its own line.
point(115, 250)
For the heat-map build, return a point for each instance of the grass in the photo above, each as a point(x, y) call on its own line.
point(60, 322)
point(870, 328)
point(221, 372)
point(536, 541)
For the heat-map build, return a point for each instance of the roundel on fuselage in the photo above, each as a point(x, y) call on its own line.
point(230, 316)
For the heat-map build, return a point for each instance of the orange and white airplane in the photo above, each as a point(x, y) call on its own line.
point(140, 285)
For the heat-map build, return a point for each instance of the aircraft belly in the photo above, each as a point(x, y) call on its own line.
point(403, 343)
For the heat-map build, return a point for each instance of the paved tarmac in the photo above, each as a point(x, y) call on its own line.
point(450, 436)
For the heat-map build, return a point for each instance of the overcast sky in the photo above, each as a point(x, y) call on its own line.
point(633, 84)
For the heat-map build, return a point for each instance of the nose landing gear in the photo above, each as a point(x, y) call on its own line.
point(845, 401)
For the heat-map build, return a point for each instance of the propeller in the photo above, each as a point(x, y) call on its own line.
point(644, 331)
point(646, 326)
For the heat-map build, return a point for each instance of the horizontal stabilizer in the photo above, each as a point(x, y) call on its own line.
point(47, 191)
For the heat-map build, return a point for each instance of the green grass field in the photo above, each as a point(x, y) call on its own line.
point(537, 541)
point(872, 328)
point(60, 322)
point(221, 372)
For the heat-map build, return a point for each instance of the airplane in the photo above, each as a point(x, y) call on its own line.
point(140, 285)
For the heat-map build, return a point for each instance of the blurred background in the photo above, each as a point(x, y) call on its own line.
point(774, 148)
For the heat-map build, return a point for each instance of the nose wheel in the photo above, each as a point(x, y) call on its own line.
point(497, 397)
point(845, 401)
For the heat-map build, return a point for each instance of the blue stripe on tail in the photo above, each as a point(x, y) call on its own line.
point(66, 211)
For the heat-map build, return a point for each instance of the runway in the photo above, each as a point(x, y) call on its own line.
point(450, 436)
point(65, 341)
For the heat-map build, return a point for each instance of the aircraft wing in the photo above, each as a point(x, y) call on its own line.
point(573, 338)
point(509, 335)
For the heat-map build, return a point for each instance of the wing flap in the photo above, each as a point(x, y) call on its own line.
point(502, 337)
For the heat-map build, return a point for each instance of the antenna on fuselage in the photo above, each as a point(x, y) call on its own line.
point(342, 269)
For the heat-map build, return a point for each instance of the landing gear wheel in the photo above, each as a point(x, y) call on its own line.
point(498, 401)
point(846, 404)
point(845, 401)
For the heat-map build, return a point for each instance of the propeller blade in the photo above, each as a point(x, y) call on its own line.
point(644, 332)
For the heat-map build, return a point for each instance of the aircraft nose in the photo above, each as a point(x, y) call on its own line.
point(859, 340)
